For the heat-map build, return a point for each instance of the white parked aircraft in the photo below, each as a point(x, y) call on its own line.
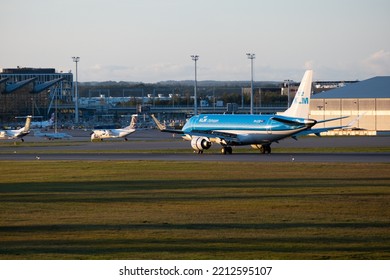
point(43, 124)
point(17, 133)
point(115, 133)
point(52, 135)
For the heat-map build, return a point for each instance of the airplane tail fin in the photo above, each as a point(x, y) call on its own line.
point(300, 106)
point(133, 121)
point(52, 118)
point(26, 127)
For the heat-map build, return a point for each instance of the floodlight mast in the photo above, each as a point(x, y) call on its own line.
point(288, 92)
point(251, 56)
point(195, 58)
point(76, 59)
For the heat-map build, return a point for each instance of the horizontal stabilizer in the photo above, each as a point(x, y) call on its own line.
point(334, 119)
point(317, 131)
point(294, 121)
point(288, 121)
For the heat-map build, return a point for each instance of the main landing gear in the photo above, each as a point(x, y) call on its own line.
point(227, 150)
point(265, 149)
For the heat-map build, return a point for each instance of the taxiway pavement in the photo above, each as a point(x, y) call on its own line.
point(237, 157)
point(154, 145)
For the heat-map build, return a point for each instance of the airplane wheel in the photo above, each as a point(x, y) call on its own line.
point(227, 150)
point(265, 149)
point(262, 150)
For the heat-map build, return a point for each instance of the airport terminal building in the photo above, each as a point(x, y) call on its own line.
point(25, 91)
point(369, 99)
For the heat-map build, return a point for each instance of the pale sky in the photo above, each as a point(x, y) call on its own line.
point(152, 40)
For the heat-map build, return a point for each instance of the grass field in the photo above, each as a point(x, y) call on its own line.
point(194, 210)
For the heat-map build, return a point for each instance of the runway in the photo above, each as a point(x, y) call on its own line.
point(153, 145)
point(238, 157)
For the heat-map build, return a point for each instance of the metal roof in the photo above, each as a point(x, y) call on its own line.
point(377, 87)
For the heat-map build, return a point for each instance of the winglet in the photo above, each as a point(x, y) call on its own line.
point(355, 120)
point(159, 125)
point(163, 128)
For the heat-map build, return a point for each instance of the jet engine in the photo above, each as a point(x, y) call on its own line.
point(200, 144)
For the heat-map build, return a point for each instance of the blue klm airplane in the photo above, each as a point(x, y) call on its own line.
point(259, 131)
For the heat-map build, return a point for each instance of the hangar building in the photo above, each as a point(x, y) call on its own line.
point(369, 99)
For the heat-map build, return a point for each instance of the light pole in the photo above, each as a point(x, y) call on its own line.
point(251, 56)
point(288, 92)
point(195, 58)
point(76, 95)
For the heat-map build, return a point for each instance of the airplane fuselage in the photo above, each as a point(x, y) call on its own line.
point(111, 133)
point(55, 135)
point(17, 133)
point(247, 129)
point(13, 134)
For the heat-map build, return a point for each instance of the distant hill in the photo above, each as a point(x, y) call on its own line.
point(184, 83)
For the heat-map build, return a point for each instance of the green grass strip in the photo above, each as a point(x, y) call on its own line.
point(186, 210)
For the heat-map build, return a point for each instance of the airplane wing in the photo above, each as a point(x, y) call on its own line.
point(317, 131)
point(5, 134)
point(229, 137)
point(108, 132)
point(334, 119)
point(58, 135)
point(224, 137)
point(13, 134)
point(103, 132)
point(163, 128)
